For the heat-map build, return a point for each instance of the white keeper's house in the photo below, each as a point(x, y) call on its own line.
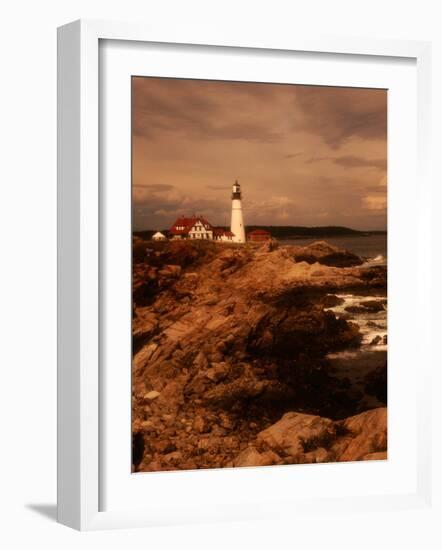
point(197, 227)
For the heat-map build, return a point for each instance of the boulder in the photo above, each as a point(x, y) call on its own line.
point(150, 396)
point(291, 331)
point(303, 438)
point(297, 433)
point(373, 305)
point(172, 394)
point(330, 300)
point(375, 276)
point(170, 271)
point(217, 371)
point(228, 394)
point(367, 433)
point(327, 254)
point(252, 457)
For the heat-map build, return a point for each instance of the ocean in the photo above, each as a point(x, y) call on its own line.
point(356, 364)
point(372, 248)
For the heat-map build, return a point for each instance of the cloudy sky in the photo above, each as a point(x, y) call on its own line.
point(304, 155)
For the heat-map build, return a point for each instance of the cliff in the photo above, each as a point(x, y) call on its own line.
point(230, 346)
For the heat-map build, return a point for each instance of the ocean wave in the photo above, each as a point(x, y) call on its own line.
point(377, 260)
point(372, 323)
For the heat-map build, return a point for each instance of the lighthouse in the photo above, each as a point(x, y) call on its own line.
point(237, 223)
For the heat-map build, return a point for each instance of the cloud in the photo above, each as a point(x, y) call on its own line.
point(191, 108)
point(278, 208)
point(304, 155)
point(218, 187)
point(352, 161)
point(376, 199)
point(312, 160)
point(159, 208)
point(360, 162)
point(339, 114)
point(377, 203)
point(155, 187)
point(292, 155)
point(159, 104)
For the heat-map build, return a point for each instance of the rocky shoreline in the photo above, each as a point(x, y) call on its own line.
point(231, 347)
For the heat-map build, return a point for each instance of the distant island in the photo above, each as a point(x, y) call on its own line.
point(290, 231)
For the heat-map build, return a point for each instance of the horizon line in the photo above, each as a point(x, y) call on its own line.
point(384, 230)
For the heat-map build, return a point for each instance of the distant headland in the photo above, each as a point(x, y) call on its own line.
point(292, 231)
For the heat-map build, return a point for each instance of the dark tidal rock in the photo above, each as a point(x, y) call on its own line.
point(327, 254)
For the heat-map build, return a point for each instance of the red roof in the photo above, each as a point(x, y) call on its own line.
point(187, 223)
point(219, 231)
point(184, 231)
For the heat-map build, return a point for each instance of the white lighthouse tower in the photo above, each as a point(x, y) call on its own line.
point(237, 223)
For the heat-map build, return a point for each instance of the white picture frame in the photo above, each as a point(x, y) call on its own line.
point(79, 267)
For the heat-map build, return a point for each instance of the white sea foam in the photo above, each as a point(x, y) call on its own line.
point(371, 323)
point(377, 260)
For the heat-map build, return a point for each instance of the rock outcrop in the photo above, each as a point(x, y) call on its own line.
point(297, 433)
point(302, 438)
point(227, 339)
point(327, 254)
